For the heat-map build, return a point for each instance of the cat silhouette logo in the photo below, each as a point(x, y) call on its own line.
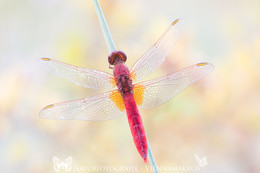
point(59, 165)
point(201, 161)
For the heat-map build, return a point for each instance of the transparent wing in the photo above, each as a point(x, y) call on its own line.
point(78, 75)
point(155, 56)
point(98, 108)
point(155, 92)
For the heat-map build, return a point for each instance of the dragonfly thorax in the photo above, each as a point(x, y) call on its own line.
point(122, 77)
point(117, 57)
point(125, 84)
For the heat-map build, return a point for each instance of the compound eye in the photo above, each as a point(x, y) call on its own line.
point(111, 59)
point(116, 56)
point(122, 55)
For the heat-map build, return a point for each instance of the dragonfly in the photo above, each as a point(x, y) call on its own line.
point(127, 95)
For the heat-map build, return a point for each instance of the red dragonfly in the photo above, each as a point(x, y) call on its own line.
point(127, 97)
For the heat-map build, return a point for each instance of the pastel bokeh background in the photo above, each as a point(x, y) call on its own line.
point(218, 117)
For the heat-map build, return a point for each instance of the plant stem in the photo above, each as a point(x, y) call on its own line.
point(151, 158)
point(105, 29)
point(111, 47)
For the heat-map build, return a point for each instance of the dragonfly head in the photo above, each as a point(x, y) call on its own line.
point(117, 57)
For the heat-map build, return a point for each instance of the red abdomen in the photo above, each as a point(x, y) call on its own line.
point(136, 124)
point(125, 87)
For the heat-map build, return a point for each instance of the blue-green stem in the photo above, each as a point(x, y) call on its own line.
point(105, 29)
point(151, 158)
point(111, 47)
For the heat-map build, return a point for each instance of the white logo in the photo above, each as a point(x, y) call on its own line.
point(59, 165)
point(202, 162)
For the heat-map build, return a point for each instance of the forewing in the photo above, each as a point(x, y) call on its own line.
point(99, 108)
point(155, 56)
point(155, 92)
point(78, 75)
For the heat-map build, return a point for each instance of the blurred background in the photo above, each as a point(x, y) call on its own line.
point(218, 117)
